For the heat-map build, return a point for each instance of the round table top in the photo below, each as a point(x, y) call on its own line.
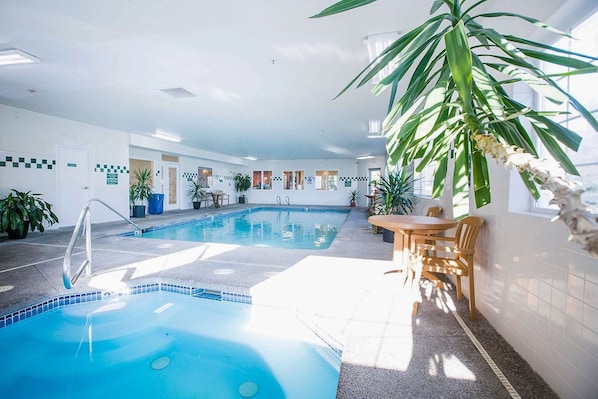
point(411, 222)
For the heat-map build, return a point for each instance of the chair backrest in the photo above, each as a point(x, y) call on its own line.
point(467, 232)
point(434, 211)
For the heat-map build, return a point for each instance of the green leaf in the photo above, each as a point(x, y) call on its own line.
point(485, 83)
point(555, 150)
point(481, 179)
point(532, 43)
point(458, 55)
point(534, 21)
point(527, 180)
point(558, 59)
point(342, 6)
point(545, 88)
point(435, 6)
point(439, 178)
point(558, 131)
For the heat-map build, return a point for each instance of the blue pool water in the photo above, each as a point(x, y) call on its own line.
point(165, 345)
point(301, 228)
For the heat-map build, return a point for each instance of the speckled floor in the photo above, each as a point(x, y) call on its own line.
point(347, 289)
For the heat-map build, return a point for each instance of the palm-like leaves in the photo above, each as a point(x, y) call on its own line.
point(458, 72)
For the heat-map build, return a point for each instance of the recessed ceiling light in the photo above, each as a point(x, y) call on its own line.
point(365, 157)
point(167, 137)
point(249, 157)
point(14, 56)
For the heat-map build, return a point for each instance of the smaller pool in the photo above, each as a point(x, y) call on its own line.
point(300, 228)
point(165, 345)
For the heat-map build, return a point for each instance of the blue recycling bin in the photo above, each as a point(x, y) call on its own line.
point(156, 204)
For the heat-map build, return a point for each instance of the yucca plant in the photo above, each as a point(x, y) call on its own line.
point(396, 194)
point(456, 100)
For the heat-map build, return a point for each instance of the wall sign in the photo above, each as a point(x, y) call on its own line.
point(111, 178)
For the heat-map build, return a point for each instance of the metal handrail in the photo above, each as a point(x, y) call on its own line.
point(85, 216)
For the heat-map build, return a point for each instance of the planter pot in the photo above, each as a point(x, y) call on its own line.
point(196, 204)
point(242, 200)
point(352, 203)
point(15, 235)
point(138, 211)
point(388, 235)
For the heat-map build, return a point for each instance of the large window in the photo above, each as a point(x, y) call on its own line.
point(326, 180)
point(292, 180)
point(423, 182)
point(262, 180)
point(585, 89)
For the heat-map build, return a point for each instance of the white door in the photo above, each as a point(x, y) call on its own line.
point(171, 189)
point(72, 170)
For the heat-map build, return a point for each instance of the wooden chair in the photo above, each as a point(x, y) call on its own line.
point(434, 211)
point(455, 258)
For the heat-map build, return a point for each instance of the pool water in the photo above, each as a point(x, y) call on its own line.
point(165, 345)
point(301, 228)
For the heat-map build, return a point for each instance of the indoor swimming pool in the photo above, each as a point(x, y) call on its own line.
point(301, 228)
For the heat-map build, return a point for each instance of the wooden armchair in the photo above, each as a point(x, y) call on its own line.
point(455, 258)
point(434, 211)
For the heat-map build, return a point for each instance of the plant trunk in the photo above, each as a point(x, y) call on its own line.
point(567, 195)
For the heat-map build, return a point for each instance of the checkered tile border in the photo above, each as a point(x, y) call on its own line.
point(10, 161)
point(110, 168)
point(362, 178)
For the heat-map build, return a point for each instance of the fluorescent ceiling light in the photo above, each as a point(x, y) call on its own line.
point(250, 158)
point(14, 56)
point(365, 157)
point(376, 44)
point(374, 126)
point(163, 136)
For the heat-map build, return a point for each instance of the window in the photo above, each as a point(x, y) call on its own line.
point(326, 180)
point(262, 180)
point(423, 182)
point(583, 88)
point(292, 180)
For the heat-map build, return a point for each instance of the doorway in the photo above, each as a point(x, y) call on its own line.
point(72, 170)
point(170, 186)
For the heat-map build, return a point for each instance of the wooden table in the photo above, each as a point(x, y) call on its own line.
point(405, 225)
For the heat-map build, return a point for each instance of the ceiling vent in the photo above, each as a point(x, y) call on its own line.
point(178, 92)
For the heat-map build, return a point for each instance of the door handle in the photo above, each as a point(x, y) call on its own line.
point(85, 188)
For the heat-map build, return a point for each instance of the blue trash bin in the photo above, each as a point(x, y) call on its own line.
point(156, 204)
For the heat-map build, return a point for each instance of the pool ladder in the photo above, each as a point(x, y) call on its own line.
point(286, 200)
point(85, 217)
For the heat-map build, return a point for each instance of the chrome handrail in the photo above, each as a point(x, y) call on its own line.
point(85, 216)
point(278, 200)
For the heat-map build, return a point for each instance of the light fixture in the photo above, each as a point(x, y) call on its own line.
point(376, 44)
point(365, 157)
point(14, 56)
point(375, 129)
point(250, 158)
point(167, 137)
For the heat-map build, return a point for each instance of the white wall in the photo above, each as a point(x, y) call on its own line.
point(538, 290)
point(31, 136)
point(347, 171)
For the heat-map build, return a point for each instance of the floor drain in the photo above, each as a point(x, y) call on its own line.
point(248, 389)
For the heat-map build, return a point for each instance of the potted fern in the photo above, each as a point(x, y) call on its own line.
point(21, 211)
point(353, 197)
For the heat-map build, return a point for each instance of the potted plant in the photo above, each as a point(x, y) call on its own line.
point(242, 184)
point(142, 189)
point(394, 197)
point(455, 77)
point(20, 211)
point(196, 193)
point(353, 197)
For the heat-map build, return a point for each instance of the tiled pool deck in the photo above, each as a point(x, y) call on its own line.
point(387, 352)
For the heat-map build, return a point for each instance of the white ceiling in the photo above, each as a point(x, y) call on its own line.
point(263, 72)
